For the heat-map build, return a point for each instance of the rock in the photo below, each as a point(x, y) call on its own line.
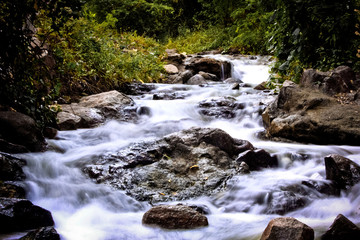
point(261, 86)
point(19, 133)
point(307, 115)
point(342, 228)
point(174, 217)
point(168, 96)
point(11, 168)
point(340, 80)
point(173, 57)
point(221, 107)
point(257, 159)
point(342, 171)
point(12, 190)
point(196, 80)
point(185, 76)
point(235, 86)
point(322, 187)
point(221, 69)
point(286, 228)
point(209, 76)
point(171, 69)
point(143, 110)
point(136, 88)
point(182, 165)
point(233, 80)
point(50, 132)
point(44, 233)
point(95, 109)
point(281, 202)
point(20, 214)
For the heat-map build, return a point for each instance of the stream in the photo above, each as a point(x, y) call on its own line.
point(85, 210)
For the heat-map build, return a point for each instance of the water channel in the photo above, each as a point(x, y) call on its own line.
point(85, 210)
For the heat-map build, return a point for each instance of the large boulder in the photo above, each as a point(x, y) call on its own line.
point(286, 228)
point(175, 217)
point(339, 80)
point(307, 115)
point(222, 69)
point(342, 228)
point(342, 171)
point(19, 133)
point(20, 214)
point(183, 165)
point(95, 109)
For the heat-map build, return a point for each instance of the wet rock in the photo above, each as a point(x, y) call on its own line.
point(44, 233)
point(19, 133)
point(143, 110)
point(95, 109)
point(306, 115)
point(257, 159)
point(340, 80)
point(261, 86)
point(168, 96)
point(233, 80)
point(12, 190)
point(209, 76)
point(221, 107)
point(184, 77)
point(342, 228)
point(196, 80)
point(322, 187)
point(235, 86)
point(174, 217)
point(183, 165)
point(50, 132)
point(286, 228)
point(11, 168)
point(221, 69)
point(20, 214)
point(281, 202)
point(342, 171)
point(136, 88)
point(171, 69)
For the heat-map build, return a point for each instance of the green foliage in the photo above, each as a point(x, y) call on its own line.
point(313, 34)
point(94, 57)
point(27, 81)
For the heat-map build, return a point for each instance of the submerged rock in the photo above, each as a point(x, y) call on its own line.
point(95, 109)
point(221, 107)
point(20, 214)
point(175, 217)
point(342, 228)
point(286, 228)
point(19, 133)
point(342, 171)
point(183, 165)
point(307, 115)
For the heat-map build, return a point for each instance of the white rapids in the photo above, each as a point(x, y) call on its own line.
point(84, 210)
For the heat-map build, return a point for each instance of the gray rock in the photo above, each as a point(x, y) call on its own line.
point(286, 228)
point(95, 109)
point(307, 115)
point(342, 171)
point(221, 107)
point(257, 159)
point(19, 133)
point(174, 217)
point(183, 165)
point(171, 69)
point(196, 80)
point(340, 80)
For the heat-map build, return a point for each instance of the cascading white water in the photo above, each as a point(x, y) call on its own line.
point(85, 210)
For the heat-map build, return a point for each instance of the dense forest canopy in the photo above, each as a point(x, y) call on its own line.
point(53, 49)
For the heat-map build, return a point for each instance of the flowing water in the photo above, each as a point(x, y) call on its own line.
point(85, 210)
